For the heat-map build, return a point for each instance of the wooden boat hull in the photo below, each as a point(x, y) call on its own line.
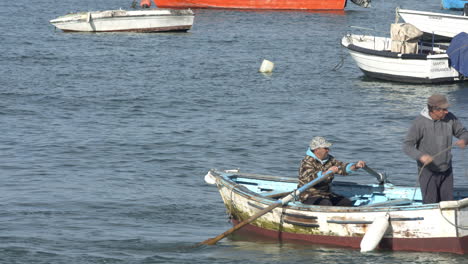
point(450, 245)
point(374, 58)
point(146, 21)
point(413, 226)
point(439, 24)
point(256, 4)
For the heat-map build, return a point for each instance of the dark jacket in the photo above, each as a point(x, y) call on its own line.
point(310, 166)
point(433, 137)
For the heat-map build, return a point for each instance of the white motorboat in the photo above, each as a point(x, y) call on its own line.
point(150, 20)
point(439, 24)
point(374, 56)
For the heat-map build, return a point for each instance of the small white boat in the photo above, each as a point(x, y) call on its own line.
point(374, 56)
point(151, 20)
point(439, 24)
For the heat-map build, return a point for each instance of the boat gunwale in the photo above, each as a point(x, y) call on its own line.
point(415, 12)
point(239, 189)
point(395, 55)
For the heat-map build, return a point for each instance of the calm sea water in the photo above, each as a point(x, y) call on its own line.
point(106, 137)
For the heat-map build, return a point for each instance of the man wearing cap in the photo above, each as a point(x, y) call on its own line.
point(317, 163)
point(429, 141)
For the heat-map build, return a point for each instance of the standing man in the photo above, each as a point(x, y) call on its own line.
point(429, 141)
point(315, 164)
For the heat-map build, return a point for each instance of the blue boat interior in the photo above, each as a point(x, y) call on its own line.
point(370, 195)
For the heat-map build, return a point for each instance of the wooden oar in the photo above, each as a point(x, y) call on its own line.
point(278, 203)
point(380, 176)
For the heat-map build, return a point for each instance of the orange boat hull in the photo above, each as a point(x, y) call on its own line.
point(255, 4)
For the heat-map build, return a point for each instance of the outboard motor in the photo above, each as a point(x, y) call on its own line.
point(362, 3)
point(465, 10)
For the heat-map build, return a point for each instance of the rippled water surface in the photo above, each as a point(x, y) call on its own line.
point(106, 137)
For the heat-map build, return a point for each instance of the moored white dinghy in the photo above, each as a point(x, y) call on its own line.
point(150, 20)
point(439, 24)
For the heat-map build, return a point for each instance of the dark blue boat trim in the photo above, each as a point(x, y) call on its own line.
point(255, 206)
point(407, 219)
point(387, 54)
point(301, 216)
point(344, 222)
point(407, 79)
point(300, 223)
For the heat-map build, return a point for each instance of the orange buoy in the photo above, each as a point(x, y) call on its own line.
point(145, 3)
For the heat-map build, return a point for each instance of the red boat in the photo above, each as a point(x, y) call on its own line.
point(257, 4)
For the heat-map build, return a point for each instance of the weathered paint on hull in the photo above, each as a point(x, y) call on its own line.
point(450, 245)
point(256, 4)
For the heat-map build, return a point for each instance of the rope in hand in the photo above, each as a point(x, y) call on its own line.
point(466, 163)
point(420, 171)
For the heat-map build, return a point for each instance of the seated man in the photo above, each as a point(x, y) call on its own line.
point(316, 163)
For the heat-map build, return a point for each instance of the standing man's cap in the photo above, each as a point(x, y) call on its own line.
point(438, 100)
point(319, 142)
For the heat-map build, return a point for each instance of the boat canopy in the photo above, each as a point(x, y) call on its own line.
point(405, 38)
point(458, 53)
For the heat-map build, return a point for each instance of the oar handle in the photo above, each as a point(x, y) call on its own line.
point(380, 176)
point(278, 203)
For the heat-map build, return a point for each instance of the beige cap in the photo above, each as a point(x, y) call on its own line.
point(438, 100)
point(319, 142)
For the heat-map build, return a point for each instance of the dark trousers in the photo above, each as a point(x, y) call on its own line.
point(336, 200)
point(436, 186)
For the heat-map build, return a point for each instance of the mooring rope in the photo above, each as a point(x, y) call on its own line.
point(466, 163)
point(448, 221)
point(340, 64)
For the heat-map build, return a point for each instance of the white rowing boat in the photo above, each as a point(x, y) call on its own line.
point(151, 20)
point(405, 223)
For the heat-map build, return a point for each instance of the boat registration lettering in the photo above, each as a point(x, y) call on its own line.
point(435, 17)
point(440, 66)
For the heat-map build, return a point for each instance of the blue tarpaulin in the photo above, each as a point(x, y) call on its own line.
point(458, 53)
